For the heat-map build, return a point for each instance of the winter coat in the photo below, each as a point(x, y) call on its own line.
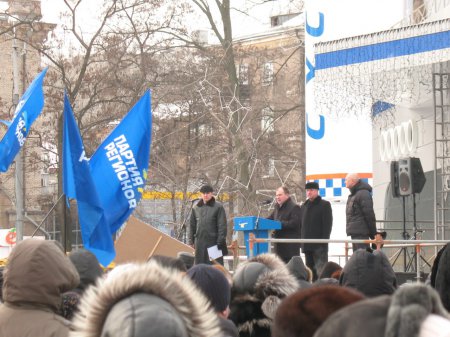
point(259, 285)
point(370, 273)
point(442, 278)
point(399, 315)
point(316, 223)
point(145, 300)
point(37, 274)
point(359, 211)
point(208, 227)
point(289, 216)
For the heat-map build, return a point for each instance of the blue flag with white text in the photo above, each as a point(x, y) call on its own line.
point(28, 109)
point(119, 166)
point(79, 184)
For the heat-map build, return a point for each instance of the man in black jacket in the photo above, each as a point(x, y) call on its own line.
point(208, 226)
point(288, 213)
point(316, 223)
point(361, 223)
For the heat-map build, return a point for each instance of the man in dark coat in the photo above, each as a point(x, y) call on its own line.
point(208, 226)
point(288, 213)
point(316, 223)
point(361, 223)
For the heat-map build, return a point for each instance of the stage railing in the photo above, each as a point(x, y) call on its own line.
point(379, 242)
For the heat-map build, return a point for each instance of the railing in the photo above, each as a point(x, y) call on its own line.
point(379, 242)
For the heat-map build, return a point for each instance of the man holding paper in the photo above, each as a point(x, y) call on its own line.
point(208, 228)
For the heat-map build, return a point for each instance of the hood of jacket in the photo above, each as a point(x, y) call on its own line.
point(259, 285)
point(360, 185)
point(38, 273)
point(145, 300)
point(370, 273)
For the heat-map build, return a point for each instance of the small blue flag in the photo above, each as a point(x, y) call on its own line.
point(27, 110)
point(79, 184)
point(119, 166)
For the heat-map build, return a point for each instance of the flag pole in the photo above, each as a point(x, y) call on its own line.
point(19, 159)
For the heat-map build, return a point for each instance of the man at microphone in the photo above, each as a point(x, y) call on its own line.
point(208, 226)
point(288, 213)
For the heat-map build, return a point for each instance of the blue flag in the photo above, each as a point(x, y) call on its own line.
point(119, 166)
point(79, 184)
point(27, 110)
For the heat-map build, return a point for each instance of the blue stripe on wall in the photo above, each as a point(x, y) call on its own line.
point(383, 50)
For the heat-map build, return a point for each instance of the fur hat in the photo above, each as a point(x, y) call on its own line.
point(312, 185)
point(264, 280)
point(399, 315)
point(441, 276)
point(301, 314)
point(187, 258)
point(206, 189)
point(213, 283)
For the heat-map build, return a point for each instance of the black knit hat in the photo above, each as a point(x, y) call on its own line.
point(206, 189)
point(312, 185)
point(213, 284)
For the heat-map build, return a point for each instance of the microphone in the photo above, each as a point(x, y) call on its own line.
point(266, 202)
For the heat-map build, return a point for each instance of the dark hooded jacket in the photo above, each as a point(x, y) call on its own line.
point(259, 285)
point(37, 274)
point(359, 211)
point(316, 223)
point(289, 216)
point(143, 301)
point(297, 268)
point(208, 227)
point(370, 273)
point(399, 315)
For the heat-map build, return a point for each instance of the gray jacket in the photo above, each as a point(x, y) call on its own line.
point(208, 227)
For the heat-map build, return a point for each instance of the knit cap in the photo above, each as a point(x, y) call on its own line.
point(213, 283)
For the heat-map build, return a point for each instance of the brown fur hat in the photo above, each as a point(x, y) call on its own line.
point(302, 313)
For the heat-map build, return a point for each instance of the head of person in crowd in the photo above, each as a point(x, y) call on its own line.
point(281, 195)
point(440, 275)
point(215, 286)
point(37, 274)
point(187, 258)
point(207, 193)
point(145, 300)
point(87, 266)
point(302, 273)
point(369, 272)
point(89, 270)
point(331, 270)
point(169, 262)
point(259, 285)
point(301, 314)
point(224, 271)
point(409, 312)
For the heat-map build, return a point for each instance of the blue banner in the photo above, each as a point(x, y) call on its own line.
point(119, 166)
point(27, 110)
point(79, 184)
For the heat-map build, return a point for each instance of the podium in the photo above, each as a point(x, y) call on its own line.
point(260, 227)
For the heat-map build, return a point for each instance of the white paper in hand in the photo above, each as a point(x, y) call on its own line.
point(214, 252)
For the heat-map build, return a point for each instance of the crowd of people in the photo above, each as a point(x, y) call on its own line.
point(46, 293)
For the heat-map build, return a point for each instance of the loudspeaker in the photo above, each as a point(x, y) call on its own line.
point(411, 178)
point(394, 179)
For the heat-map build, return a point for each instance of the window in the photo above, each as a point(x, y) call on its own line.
point(267, 73)
point(243, 74)
point(267, 120)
